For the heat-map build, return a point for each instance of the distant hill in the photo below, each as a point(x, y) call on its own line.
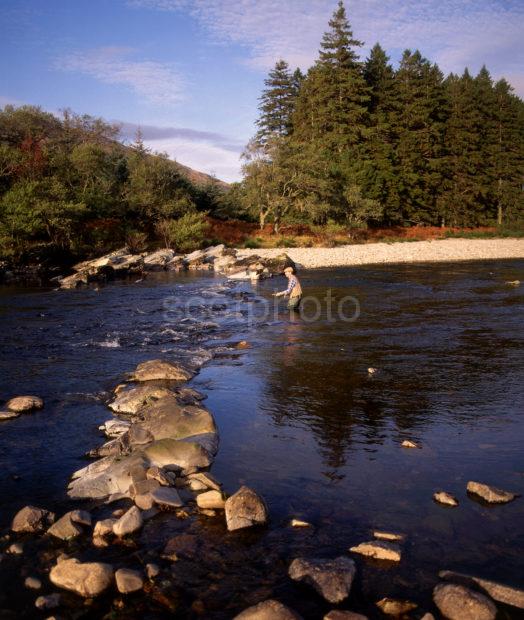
point(200, 178)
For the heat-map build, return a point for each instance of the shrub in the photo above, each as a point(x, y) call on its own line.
point(251, 244)
point(185, 233)
point(136, 241)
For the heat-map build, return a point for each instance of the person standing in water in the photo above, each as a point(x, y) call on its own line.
point(294, 290)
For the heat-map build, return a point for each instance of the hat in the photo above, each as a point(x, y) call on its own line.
point(288, 269)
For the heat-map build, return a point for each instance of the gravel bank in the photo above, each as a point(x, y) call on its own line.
point(443, 250)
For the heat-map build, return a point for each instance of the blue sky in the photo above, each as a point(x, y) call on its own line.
point(189, 72)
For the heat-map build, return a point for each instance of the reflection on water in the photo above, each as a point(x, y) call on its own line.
point(300, 417)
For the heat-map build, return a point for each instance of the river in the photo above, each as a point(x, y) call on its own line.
point(301, 419)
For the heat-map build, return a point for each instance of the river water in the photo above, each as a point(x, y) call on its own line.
point(300, 417)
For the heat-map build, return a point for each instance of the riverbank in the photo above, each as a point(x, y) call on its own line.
point(443, 250)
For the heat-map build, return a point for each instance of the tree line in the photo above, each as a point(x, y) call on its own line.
point(362, 143)
point(68, 186)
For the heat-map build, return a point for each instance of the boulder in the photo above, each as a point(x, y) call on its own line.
point(32, 519)
point(492, 495)
point(379, 550)
point(207, 479)
point(129, 401)
point(442, 497)
point(394, 607)
point(128, 580)
point(330, 578)
point(8, 415)
point(87, 579)
point(175, 264)
point(268, 610)
point(456, 602)
point(129, 523)
point(182, 454)
point(65, 528)
point(244, 509)
point(144, 501)
point(161, 370)
point(189, 396)
point(166, 418)
point(211, 500)
point(158, 261)
point(104, 527)
point(25, 403)
point(155, 473)
point(114, 428)
point(277, 264)
point(497, 591)
point(166, 496)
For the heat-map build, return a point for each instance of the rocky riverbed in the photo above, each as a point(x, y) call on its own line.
point(151, 531)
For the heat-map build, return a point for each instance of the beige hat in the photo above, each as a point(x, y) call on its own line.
point(288, 269)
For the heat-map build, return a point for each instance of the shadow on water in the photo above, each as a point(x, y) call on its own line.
point(301, 419)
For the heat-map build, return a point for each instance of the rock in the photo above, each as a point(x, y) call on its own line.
point(183, 545)
point(33, 583)
point(82, 517)
point(331, 578)
point(208, 441)
point(442, 497)
point(8, 415)
point(15, 549)
point(456, 602)
point(152, 570)
point(299, 523)
point(207, 479)
point(175, 264)
point(183, 454)
point(50, 601)
point(428, 616)
point(490, 494)
point(372, 371)
point(87, 579)
point(31, 519)
point(166, 496)
point(244, 509)
point(115, 428)
point(128, 580)
point(196, 485)
point(380, 550)
point(140, 487)
point(513, 282)
point(129, 523)
point(104, 527)
point(25, 403)
point(129, 401)
point(340, 614)
point(498, 592)
point(391, 536)
point(393, 607)
point(158, 261)
point(144, 501)
point(408, 443)
point(65, 528)
point(277, 265)
point(155, 473)
point(211, 500)
point(268, 610)
point(161, 370)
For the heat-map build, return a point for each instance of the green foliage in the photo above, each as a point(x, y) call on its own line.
point(252, 244)
point(184, 234)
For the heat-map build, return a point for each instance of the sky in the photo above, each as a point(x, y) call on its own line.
point(189, 72)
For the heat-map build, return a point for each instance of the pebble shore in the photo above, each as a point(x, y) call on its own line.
point(442, 250)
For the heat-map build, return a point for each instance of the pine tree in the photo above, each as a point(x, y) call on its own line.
point(277, 103)
point(420, 120)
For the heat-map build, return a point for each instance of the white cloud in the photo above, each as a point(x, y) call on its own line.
point(153, 82)
point(454, 33)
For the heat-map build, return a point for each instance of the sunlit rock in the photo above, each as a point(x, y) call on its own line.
point(445, 498)
point(498, 591)
point(268, 610)
point(244, 509)
point(128, 580)
point(394, 607)
point(129, 523)
point(456, 602)
point(161, 370)
point(490, 494)
point(379, 550)
point(129, 401)
point(32, 519)
point(87, 579)
point(330, 578)
point(20, 404)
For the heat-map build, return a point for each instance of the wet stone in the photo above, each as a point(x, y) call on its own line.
point(33, 583)
point(394, 607)
point(21, 404)
point(340, 614)
point(50, 601)
point(445, 498)
point(268, 610)
point(490, 494)
point(129, 523)
point(244, 509)
point(152, 570)
point(154, 370)
point(167, 496)
point(87, 579)
point(456, 602)
point(212, 500)
point(128, 580)
point(65, 528)
point(32, 519)
point(498, 591)
point(379, 550)
point(390, 536)
point(331, 578)
point(15, 549)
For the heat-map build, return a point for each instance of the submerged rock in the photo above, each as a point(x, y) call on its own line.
point(498, 592)
point(394, 607)
point(161, 370)
point(445, 498)
point(330, 578)
point(380, 550)
point(8, 415)
point(456, 602)
point(490, 494)
point(21, 404)
point(390, 536)
point(128, 580)
point(50, 601)
point(129, 401)
point(87, 579)
point(408, 443)
point(268, 610)
point(32, 519)
point(340, 614)
point(244, 509)
point(129, 523)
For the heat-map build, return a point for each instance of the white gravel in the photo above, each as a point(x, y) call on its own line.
point(442, 250)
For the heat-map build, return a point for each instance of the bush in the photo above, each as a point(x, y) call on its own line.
point(251, 244)
point(136, 241)
point(286, 242)
point(186, 233)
